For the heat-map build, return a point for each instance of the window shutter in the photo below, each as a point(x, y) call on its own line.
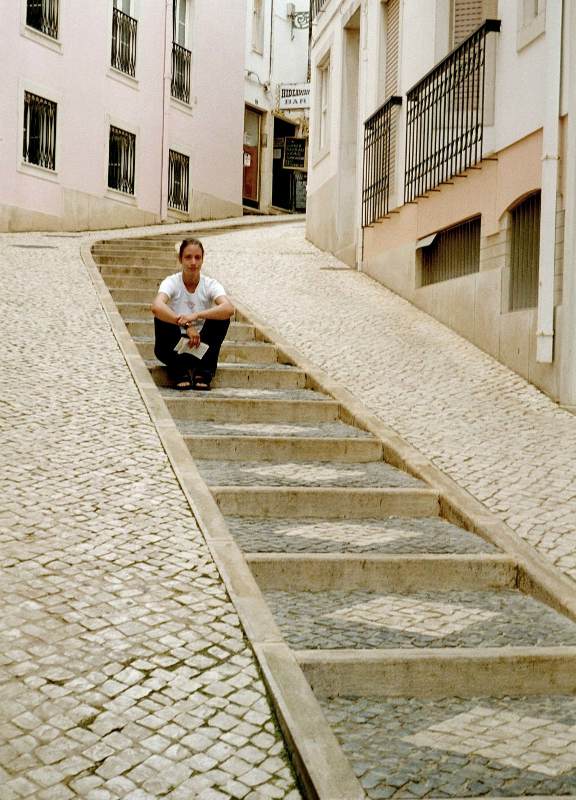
point(467, 16)
point(392, 47)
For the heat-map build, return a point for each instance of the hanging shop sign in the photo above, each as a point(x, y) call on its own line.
point(294, 95)
point(295, 153)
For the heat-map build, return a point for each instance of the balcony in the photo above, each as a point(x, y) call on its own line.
point(124, 30)
point(43, 16)
point(446, 115)
point(316, 6)
point(181, 60)
point(380, 133)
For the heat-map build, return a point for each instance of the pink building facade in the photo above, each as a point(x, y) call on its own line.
point(120, 112)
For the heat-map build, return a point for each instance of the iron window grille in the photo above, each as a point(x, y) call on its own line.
point(525, 253)
point(124, 30)
point(178, 180)
point(379, 160)
point(445, 116)
point(453, 253)
point(316, 6)
point(121, 160)
point(43, 16)
point(39, 131)
point(181, 60)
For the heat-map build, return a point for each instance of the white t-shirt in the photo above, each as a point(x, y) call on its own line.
point(181, 301)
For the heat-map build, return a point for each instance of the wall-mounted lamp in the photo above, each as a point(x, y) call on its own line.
point(299, 20)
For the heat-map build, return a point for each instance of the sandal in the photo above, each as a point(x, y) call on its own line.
point(201, 381)
point(183, 382)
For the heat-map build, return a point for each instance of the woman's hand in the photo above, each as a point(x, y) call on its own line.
point(193, 335)
point(185, 319)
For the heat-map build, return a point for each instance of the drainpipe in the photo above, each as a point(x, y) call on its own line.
point(568, 364)
point(550, 156)
point(166, 89)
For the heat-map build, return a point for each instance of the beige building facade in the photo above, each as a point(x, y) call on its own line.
point(442, 164)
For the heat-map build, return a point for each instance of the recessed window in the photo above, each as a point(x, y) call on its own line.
point(178, 172)
point(43, 16)
point(124, 29)
point(121, 160)
point(525, 253)
point(324, 104)
point(451, 253)
point(258, 26)
point(39, 131)
point(181, 55)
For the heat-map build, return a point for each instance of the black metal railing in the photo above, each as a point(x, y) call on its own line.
point(181, 60)
point(121, 160)
point(525, 253)
point(445, 116)
point(43, 15)
point(124, 30)
point(178, 177)
point(39, 145)
point(316, 7)
point(379, 160)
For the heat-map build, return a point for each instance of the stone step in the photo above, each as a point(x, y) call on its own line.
point(134, 295)
point(329, 620)
point(264, 376)
point(146, 272)
point(440, 672)
point(196, 406)
point(398, 535)
point(138, 259)
point(327, 503)
point(375, 473)
point(144, 327)
point(231, 351)
point(327, 572)
point(511, 745)
point(274, 442)
point(116, 283)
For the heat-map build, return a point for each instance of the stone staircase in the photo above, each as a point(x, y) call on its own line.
point(439, 677)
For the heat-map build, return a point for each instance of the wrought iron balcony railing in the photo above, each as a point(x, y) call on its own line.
point(178, 172)
point(379, 160)
point(124, 30)
point(445, 116)
point(181, 60)
point(121, 160)
point(316, 7)
point(43, 16)
point(39, 131)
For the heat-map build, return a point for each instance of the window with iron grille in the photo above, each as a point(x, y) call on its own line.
point(39, 131)
point(178, 176)
point(43, 16)
point(121, 160)
point(525, 253)
point(453, 253)
point(124, 28)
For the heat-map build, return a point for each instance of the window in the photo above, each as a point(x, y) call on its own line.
point(467, 16)
point(391, 26)
point(178, 172)
point(532, 9)
point(181, 55)
point(39, 131)
point(43, 16)
point(451, 253)
point(124, 29)
point(121, 160)
point(324, 104)
point(531, 21)
point(525, 253)
point(258, 26)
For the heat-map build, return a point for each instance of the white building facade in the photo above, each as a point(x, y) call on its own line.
point(277, 98)
point(120, 112)
point(443, 163)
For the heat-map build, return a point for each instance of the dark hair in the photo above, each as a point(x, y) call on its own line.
point(184, 244)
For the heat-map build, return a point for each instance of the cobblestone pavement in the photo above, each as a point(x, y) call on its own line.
point(327, 620)
point(493, 433)
point(123, 668)
point(509, 746)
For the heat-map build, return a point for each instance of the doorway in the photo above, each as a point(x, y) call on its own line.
point(251, 174)
point(288, 186)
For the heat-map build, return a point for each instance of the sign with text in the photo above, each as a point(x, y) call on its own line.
point(294, 95)
point(295, 153)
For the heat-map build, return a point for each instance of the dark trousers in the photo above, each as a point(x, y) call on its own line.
point(168, 335)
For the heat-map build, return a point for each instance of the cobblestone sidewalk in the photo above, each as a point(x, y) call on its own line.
point(123, 669)
point(493, 433)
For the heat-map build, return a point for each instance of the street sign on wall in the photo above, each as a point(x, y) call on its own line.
point(294, 95)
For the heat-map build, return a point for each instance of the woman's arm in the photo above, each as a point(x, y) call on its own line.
point(162, 310)
point(222, 309)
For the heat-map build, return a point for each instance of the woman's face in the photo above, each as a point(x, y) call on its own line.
point(192, 258)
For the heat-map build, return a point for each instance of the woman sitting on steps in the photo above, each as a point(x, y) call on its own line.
point(190, 305)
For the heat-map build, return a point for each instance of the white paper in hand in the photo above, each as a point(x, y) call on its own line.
point(182, 347)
